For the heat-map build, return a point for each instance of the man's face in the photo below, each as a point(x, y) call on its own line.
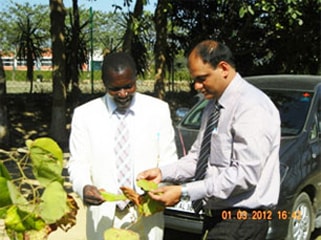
point(207, 80)
point(122, 87)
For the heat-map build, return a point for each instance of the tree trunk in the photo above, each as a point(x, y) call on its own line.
point(75, 89)
point(4, 124)
point(58, 129)
point(30, 69)
point(160, 47)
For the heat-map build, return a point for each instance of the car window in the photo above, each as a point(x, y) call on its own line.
point(193, 119)
point(293, 107)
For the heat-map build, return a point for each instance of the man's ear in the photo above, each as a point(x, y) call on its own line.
point(225, 68)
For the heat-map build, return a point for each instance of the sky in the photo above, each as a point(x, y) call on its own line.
point(103, 5)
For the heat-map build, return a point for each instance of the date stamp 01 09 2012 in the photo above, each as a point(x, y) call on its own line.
point(261, 215)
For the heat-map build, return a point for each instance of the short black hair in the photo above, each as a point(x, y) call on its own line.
point(116, 62)
point(214, 52)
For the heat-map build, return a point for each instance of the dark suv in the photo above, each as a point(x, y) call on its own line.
point(298, 98)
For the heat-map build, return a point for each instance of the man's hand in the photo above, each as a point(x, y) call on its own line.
point(92, 195)
point(153, 174)
point(167, 195)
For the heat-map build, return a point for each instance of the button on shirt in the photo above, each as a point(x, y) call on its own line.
point(243, 166)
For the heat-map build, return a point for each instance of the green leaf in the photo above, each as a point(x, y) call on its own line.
point(250, 10)
point(111, 197)
point(120, 234)
point(5, 199)
point(47, 160)
point(242, 12)
point(48, 145)
point(150, 206)
point(147, 185)
point(54, 203)
point(16, 197)
point(21, 221)
point(4, 172)
point(13, 219)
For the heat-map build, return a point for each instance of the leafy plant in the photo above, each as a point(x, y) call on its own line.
point(145, 205)
point(33, 201)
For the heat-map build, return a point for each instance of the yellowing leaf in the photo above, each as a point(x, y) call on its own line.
point(54, 203)
point(111, 197)
point(150, 206)
point(131, 195)
point(120, 234)
point(147, 185)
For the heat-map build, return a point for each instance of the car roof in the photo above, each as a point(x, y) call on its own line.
point(287, 82)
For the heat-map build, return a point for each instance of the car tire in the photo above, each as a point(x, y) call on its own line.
point(301, 217)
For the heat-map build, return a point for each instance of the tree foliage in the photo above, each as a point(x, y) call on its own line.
point(265, 36)
point(28, 34)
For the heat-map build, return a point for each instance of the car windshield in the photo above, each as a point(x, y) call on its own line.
point(293, 107)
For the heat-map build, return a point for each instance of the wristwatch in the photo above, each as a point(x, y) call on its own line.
point(184, 194)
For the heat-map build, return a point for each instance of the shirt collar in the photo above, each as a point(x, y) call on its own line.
point(111, 105)
point(230, 92)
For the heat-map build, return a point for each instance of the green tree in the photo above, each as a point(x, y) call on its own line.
point(29, 46)
point(266, 36)
point(28, 33)
point(76, 52)
point(134, 39)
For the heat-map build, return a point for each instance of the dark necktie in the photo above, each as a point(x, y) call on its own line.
point(205, 151)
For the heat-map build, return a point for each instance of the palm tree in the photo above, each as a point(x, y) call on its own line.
point(30, 44)
point(134, 41)
point(76, 52)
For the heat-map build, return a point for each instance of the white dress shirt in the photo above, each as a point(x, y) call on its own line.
point(243, 166)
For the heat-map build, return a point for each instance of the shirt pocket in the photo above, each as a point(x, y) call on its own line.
point(221, 150)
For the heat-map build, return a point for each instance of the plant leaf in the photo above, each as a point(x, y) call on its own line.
point(111, 197)
point(147, 185)
point(22, 221)
point(145, 204)
point(131, 195)
point(16, 197)
point(5, 199)
point(47, 160)
point(4, 172)
point(54, 203)
point(150, 206)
